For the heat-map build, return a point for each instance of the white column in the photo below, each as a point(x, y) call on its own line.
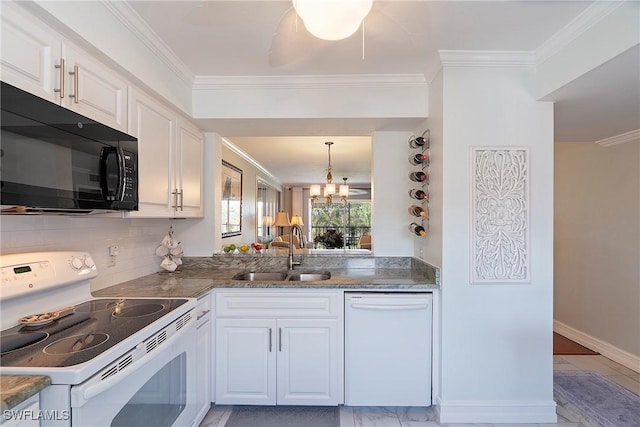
point(496, 347)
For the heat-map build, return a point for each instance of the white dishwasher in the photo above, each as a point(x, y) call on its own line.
point(388, 349)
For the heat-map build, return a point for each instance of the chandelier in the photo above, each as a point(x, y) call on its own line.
point(330, 188)
point(332, 19)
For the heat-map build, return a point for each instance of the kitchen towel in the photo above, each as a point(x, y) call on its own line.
point(284, 416)
point(596, 400)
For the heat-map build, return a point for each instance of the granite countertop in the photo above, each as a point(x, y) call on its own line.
point(199, 275)
point(15, 389)
point(193, 282)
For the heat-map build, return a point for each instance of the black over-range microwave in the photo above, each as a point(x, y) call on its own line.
point(53, 159)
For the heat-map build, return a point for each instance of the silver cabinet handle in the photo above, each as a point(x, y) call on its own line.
point(270, 346)
point(75, 95)
point(280, 339)
point(382, 306)
point(181, 194)
point(62, 79)
point(175, 199)
point(204, 313)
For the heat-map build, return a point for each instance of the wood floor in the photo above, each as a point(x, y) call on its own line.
point(564, 346)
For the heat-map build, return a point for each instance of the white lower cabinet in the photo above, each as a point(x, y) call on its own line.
point(203, 356)
point(282, 360)
point(24, 414)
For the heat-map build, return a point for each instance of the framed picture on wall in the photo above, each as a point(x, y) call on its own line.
point(231, 200)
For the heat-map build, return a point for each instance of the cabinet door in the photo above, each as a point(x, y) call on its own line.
point(203, 394)
point(308, 362)
point(154, 126)
point(30, 52)
point(17, 416)
point(93, 90)
point(245, 361)
point(188, 178)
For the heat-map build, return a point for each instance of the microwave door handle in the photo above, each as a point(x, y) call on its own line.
point(122, 177)
point(104, 181)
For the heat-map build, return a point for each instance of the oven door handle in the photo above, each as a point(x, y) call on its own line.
point(81, 394)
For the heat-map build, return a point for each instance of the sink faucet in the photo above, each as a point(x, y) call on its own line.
point(291, 262)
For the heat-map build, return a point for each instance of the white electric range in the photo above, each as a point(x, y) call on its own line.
point(112, 361)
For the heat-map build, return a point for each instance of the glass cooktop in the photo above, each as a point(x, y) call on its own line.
point(90, 329)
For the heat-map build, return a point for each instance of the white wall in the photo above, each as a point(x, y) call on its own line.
point(390, 186)
point(496, 338)
point(136, 238)
point(430, 249)
point(597, 246)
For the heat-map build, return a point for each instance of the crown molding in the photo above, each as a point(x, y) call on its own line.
point(593, 14)
point(630, 136)
point(123, 11)
point(486, 58)
point(231, 146)
point(309, 82)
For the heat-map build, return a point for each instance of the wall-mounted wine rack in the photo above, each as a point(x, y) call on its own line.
point(420, 159)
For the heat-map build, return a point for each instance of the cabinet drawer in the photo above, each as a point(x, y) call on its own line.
point(203, 308)
point(263, 304)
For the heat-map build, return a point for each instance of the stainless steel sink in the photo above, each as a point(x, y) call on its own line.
point(308, 277)
point(261, 276)
point(277, 276)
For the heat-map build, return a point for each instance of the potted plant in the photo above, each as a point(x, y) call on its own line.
point(330, 239)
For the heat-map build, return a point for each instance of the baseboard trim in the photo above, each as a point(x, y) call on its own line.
point(609, 351)
point(486, 411)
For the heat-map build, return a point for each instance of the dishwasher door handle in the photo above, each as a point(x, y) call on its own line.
point(380, 306)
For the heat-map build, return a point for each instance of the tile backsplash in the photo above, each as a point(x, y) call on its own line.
point(137, 240)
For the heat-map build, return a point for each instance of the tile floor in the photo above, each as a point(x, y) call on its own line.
point(426, 417)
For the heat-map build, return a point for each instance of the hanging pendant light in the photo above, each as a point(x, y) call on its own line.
point(329, 190)
point(344, 191)
point(332, 19)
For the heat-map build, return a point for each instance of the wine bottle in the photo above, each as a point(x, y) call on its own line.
point(419, 176)
point(417, 229)
point(418, 194)
point(416, 210)
point(419, 159)
point(419, 142)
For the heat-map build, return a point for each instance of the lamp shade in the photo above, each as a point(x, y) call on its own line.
point(282, 219)
point(344, 190)
point(314, 190)
point(329, 189)
point(267, 220)
point(297, 220)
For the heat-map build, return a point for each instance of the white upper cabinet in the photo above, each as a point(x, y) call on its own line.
point(189, 165)
point(30, 53)
point(93, 90)
point(37, 59)
point(169, 160)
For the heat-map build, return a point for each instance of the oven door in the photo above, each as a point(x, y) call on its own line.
point(156, 390)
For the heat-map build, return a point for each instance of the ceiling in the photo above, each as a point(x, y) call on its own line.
point(260, 38)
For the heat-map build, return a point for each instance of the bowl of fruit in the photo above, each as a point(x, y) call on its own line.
point(257, 247)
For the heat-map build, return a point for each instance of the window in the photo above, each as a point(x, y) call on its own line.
point(341, 224)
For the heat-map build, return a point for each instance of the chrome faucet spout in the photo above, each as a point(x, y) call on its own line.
point(291, 262)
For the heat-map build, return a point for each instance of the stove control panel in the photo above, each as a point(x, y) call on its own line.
point(32, 272)
point(27, 272)
point(82, 262)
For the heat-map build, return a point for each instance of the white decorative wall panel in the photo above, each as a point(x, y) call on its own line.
point(500, 215)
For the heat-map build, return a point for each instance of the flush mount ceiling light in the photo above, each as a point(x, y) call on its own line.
point(329, 188)
point(332, 19)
